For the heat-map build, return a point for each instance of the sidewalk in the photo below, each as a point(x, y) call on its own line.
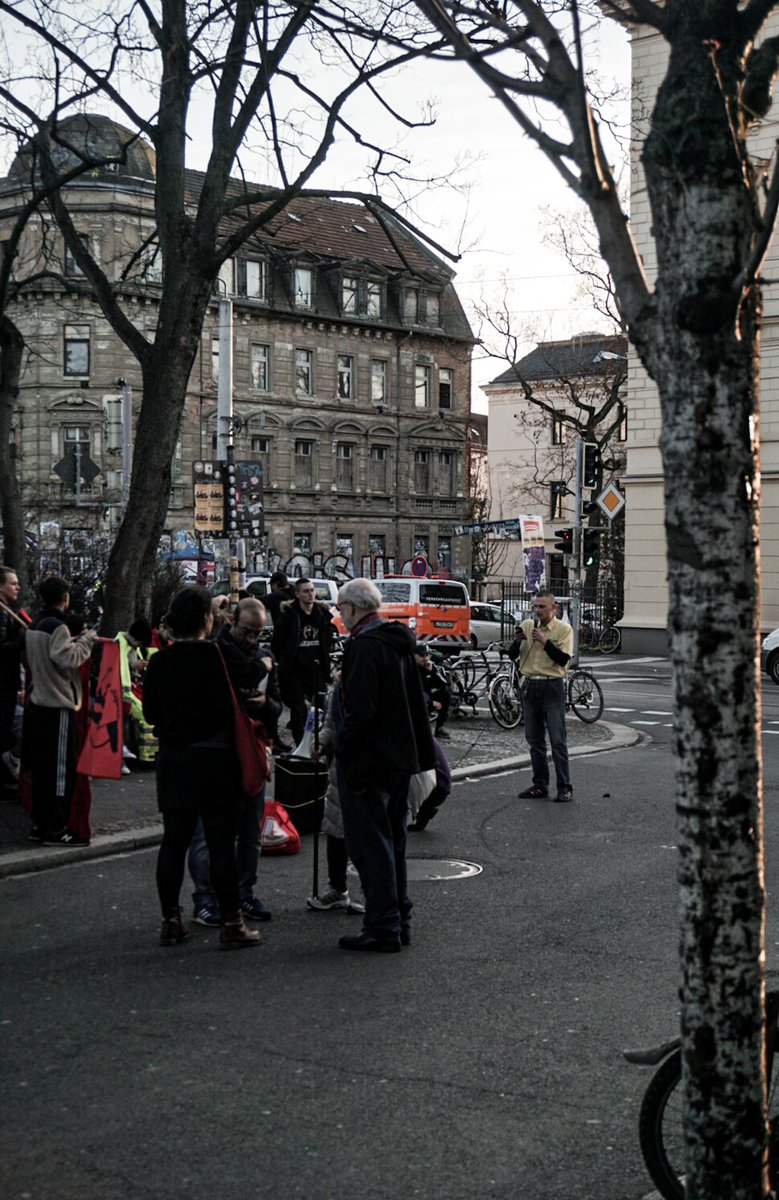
point(124, 813)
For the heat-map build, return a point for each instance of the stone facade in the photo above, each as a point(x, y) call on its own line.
point(646, 590)
point(351, 378)
point(531, 450)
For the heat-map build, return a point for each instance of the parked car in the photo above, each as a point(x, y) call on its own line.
point(256, 585)
point(490, 623)
point(770, 655)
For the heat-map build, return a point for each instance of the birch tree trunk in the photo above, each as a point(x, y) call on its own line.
point(700, 341)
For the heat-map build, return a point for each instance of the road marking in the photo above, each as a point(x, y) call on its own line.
point(657, 712)
point(610, 709)
point(644, 722)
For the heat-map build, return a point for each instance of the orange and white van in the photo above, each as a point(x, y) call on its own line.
point(435, 610)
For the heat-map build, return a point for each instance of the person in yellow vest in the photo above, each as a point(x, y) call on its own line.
point(544, 647)
point(135, 649)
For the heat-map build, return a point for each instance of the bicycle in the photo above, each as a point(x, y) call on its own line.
point(583, 697)
point(660, 1117)
point(470, 676)
point(594, 635)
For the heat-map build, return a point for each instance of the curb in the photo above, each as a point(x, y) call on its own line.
point(29, 862)
point(622, 736)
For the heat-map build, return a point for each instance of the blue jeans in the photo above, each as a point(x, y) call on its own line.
point(543, 703)
point(247, 850)
point(375, 833)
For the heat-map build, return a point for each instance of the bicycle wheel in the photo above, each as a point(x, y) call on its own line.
point(585, 696)
point(464, 670)
point(660, 1128)
point(505, 701)
point(610, 640)
point(586, 636)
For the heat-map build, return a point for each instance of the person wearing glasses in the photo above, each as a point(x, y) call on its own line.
point(302, 638)
point(544, 646)
point(254, 678)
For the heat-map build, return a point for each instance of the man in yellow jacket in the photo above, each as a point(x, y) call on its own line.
point(544, 647)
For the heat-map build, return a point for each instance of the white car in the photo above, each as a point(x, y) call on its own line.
point(490, 623)
point(770, 655)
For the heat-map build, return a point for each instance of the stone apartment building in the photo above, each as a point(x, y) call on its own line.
point(351, 375)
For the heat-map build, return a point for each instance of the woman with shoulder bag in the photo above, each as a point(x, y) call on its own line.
point(186, 696)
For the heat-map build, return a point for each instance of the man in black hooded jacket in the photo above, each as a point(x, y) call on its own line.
point(382, 738)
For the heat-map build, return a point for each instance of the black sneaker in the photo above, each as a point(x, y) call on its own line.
point(564, 795)
point(533, 793)
point(64, 838)
point(36, 834)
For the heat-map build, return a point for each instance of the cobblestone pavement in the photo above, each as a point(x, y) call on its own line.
point(478, 739)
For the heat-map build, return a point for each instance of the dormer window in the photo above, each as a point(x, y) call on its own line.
point(350, 294)
point(255, 279)
point(362, 297)
point(303, 287)
point(373, 298)
point(421, 307)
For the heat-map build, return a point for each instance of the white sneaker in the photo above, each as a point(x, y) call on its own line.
point(327, 899)
point(11, 764)
point(125, 769)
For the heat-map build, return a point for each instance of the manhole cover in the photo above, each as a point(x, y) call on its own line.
point(435, 869)
point(441, 868)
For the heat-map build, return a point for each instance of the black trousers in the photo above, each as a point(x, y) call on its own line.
point(49, 751)
point(195, 783)
point(296, 688)
point(221, 829)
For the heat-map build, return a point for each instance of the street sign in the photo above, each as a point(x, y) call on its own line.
point(419, 566)
point(611, 501)
point(499, 527)
point(76, 467)
point(209, 498)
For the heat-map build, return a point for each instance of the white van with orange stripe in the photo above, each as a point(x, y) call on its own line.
point(435, 610)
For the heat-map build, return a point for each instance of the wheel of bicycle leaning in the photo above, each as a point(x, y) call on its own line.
point(586, 636)
point(610, 640)
point(505, 701)
point(660, 1128)
point(585, 696)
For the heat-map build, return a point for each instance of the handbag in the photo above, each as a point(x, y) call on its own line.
point(278, 834)
point(252, 744)
point(419, 788)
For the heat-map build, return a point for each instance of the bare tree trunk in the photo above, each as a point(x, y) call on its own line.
point(700, 342)
point(14, 552)
point(165, 380)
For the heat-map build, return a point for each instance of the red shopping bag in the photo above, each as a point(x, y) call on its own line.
point(277, 833)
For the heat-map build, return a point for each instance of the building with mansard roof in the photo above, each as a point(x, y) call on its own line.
point(532, 442)
point(351, 372)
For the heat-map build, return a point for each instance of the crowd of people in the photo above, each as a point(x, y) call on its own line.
point(385, 709)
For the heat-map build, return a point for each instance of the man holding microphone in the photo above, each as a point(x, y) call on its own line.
point(544, 646)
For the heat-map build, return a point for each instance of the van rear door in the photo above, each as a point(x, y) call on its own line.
point(444, 612)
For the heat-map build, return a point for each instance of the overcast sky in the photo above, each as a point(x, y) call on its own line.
point(494, 215)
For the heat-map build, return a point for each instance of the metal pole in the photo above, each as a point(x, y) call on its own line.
point(317, 775)
point(77, 457)
point(576, 582)
point(127, 426)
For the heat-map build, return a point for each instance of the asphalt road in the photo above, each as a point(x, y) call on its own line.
point(484, 1061)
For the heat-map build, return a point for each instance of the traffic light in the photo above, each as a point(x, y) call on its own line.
point(230, 500)
point(591, 476)
point(565, 543)
point(590, 547)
